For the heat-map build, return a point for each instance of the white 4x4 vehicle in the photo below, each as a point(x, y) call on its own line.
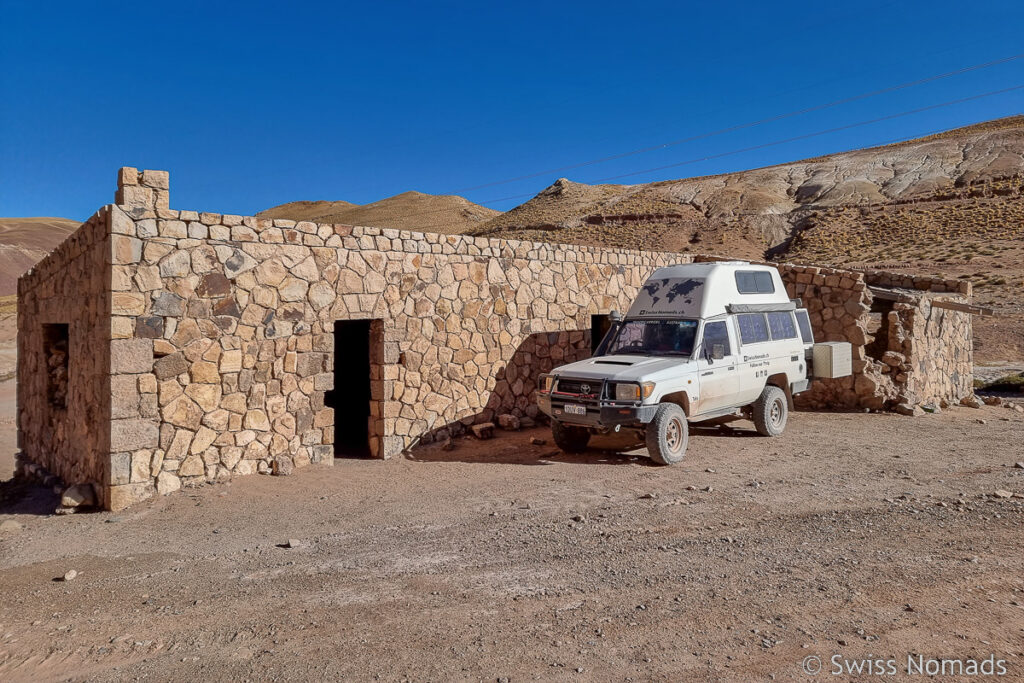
point(701, 341)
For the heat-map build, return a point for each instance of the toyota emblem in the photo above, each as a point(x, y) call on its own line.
point(584, 388)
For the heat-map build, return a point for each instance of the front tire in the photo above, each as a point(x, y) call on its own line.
point(668, 435)
point(770, 412)
point(570, 439)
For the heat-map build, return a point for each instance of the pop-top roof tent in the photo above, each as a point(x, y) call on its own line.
point(706, 290)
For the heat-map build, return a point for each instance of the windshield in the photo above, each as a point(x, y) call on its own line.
point(655, 338)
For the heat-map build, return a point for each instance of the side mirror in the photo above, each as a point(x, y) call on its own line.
point(717, 351)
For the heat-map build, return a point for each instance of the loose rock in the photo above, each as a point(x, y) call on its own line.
point(79, 495)
point(484, 430)
point(909, 410)
point(509, 422)
point(971, 401)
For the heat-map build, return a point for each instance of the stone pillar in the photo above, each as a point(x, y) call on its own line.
point(142, 195)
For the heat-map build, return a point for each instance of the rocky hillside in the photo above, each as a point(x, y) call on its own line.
point(407, 211)
point(761, 209)
point(23, 241)
point(950, 204)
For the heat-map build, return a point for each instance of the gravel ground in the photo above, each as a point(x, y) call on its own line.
point(852, 534)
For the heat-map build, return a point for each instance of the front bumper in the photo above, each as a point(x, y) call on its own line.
point(599, 415)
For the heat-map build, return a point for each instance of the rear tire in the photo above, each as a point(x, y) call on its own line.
point(668, 435)
point(570, 439)
point(770, 412)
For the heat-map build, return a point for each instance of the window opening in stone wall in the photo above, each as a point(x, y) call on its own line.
point(55, 353)
point(878, 328)
point(350, 397)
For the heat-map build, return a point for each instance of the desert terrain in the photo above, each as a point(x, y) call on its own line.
point(853, 534)
point(23, 241)
point(448, 214)
point(505, 560)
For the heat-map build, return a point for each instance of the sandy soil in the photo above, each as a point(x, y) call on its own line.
point(852, 534)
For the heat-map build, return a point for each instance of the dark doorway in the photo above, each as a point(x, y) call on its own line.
point(599, 326)
point(350, 397)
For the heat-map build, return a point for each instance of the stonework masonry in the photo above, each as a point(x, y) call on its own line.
point(202, 346)
point(69, 438)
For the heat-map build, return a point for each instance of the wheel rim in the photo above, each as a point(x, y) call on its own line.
point(776, 415)
point(674, 435)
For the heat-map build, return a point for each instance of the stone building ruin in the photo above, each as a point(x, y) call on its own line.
point(160, 348)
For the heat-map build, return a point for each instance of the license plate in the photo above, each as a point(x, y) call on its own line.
point(570, 409)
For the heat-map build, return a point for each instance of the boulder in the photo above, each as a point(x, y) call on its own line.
point(282, 466)
point(909, 410)
point(509, 422)
point(971, 401)
point(484, 430)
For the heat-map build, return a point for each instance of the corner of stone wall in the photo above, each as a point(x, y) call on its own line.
point(135, 454)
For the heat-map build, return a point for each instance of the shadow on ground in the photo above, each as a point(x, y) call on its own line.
point(25, 498)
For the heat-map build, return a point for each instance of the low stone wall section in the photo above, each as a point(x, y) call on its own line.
point(63, 360)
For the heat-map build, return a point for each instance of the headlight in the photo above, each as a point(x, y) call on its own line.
point(545, 382)
point(633, 392)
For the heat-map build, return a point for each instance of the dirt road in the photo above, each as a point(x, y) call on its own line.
point(852, 534)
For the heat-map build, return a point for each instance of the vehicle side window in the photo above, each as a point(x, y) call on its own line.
point(804, 321)
point(782, 326)
point(753, 328)
point(716, 333)
point(754, 282)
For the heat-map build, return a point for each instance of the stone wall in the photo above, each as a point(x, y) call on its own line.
point(224, 346)
point(63, 372)
point(930, 359)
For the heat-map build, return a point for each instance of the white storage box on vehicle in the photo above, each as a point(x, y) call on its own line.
point(832, 360)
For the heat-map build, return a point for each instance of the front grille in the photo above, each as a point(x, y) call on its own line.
point(581, 388)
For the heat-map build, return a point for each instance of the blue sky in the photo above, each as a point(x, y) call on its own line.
point(253, 104)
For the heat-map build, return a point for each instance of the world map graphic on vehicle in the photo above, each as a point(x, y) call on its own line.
point(661, 288)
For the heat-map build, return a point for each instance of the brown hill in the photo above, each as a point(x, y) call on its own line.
point(761, 208)
point(305, 210)
point(407, 211)
point(23, 241)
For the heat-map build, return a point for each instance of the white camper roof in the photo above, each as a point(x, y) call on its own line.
point(704, 290)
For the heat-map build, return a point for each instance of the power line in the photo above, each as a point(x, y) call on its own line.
point(751, 124)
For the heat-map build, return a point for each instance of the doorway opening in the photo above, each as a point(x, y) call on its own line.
point(599, 326)
point(350, 396)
